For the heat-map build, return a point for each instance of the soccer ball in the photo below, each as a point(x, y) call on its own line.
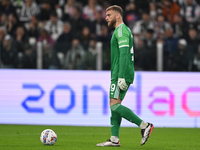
point(48, 137)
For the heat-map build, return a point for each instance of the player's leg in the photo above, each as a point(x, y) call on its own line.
point(115, 119)
point(118, 111)
point(125, 112)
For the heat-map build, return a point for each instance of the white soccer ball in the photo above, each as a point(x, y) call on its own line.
point(48, 137)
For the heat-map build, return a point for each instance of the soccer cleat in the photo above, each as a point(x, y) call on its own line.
point(109, 143)
point(146, 133)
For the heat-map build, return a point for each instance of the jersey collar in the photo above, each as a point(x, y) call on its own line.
point(119, 25)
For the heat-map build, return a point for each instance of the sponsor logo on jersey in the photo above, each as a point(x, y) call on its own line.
point(122, 41)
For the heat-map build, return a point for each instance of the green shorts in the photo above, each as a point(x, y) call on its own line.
point(115, 90)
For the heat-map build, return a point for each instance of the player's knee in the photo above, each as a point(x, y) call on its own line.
point(114, 107)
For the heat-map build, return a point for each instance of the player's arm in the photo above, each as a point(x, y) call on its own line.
point(123, 60)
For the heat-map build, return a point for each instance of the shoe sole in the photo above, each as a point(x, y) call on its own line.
point(148, 135)
point(151, 131)
point(109, 145)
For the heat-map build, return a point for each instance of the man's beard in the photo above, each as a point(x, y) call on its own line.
point(112, 23)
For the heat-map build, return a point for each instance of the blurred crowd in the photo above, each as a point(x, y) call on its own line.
point(69, 30)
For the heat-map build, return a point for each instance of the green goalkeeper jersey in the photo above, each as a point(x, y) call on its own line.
point(122, 54)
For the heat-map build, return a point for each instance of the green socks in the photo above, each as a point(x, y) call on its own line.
point(115, 121)
point(124, 112)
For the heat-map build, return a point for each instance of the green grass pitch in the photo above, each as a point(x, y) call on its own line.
point(27, 137)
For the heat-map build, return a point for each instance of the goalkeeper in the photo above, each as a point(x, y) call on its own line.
point(122, 75)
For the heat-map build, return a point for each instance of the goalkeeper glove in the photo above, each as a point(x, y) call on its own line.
point(122, 84)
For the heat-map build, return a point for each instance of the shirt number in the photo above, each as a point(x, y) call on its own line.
point(112, 87)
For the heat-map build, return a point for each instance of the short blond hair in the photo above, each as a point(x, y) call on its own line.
point(116, 8)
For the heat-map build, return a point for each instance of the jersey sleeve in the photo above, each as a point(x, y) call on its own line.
point(123, 43)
